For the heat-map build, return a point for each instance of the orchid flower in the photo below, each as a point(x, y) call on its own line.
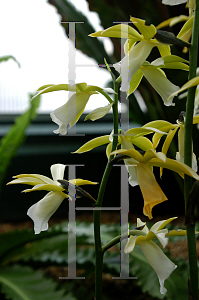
point(134, 135)
point(153, 253)
point(156, 77)
point(137, 47)
point(41, 212)
point(140, 168)
point(71, 111)
point(173, 2)
point(171, 130)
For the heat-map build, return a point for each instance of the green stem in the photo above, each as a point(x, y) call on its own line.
point(96, 214)
point(122, 237)
point(193, 56)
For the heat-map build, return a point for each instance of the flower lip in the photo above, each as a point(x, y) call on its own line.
point(78, 191)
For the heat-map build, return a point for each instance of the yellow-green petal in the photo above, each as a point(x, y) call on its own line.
point(53, 88)
point(79, 181)
point(135, 81)
point(164, 49)
point(172, 21)
point(142, 143)
point(99, 112)
point(171, 62)
point(178, 232)
point(118, 31)
point(131, 153)
point(108, 150)
point(161, 224)
point(193, 82)
point(168, 140)
point(45, 187)
point(158, 124)
point(195, 119)
point(153, 154)
point(187, 26)
point(175, 166)
point(148, 32)
point(94, 143)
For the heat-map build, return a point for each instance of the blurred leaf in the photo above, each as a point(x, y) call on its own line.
point(7, 57)
point(24, 283)
point(15, 137)
point(13, 242)
point(90, 46)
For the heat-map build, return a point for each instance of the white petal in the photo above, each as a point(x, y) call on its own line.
point(41, 212)
point(160, 83)
point(130, 244)
point(158, 261)
point(173, 2)
point(67, 113)
point(62, 128)
point(129, 65)
point(140, 223)
point(109, 90)
point(133, 181)
point(161, 237)
point(57, 172)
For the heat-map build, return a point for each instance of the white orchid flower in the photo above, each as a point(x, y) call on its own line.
point(155, 256)
point(41, 212)
point(71, 111)
point(173, 2)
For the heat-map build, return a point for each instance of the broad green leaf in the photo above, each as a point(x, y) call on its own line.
point(7, 57)
point(15, 137)
point(24, 283)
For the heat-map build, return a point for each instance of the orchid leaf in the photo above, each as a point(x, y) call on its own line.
point(91, 47)
point(24, 283)
point(7, 57)
point(15, 137)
